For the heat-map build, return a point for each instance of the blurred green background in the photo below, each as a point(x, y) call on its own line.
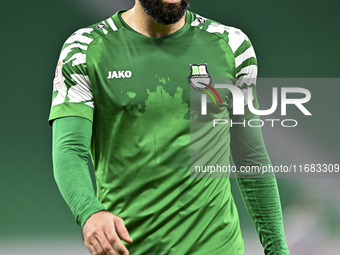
point(292, 39)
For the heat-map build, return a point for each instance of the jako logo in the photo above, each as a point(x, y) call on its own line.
point(200, 79)
point(119, 74)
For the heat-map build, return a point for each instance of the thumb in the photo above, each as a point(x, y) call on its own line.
point(122, 231)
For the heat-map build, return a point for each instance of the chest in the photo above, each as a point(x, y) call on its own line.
point(128, 74)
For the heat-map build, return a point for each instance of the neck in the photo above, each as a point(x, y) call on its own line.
point(138, 20)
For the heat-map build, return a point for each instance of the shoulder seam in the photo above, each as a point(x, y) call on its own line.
point(219, 35)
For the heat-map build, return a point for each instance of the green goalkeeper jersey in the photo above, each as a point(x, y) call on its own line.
point(141, 96)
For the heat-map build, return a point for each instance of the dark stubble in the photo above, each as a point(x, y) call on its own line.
point(165, 13)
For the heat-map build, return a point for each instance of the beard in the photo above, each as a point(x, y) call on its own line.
point(165, 13)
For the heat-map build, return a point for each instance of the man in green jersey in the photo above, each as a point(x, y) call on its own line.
point(126, 89)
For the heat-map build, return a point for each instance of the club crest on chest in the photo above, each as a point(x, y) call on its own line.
point(199, 77)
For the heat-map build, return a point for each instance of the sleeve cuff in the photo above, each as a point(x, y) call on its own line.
point(71, 110)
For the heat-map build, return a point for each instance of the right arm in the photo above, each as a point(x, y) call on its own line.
point(71, 143)
point(100, 229)
point(72, 115)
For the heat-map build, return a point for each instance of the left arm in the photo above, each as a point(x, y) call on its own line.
point(259, 191)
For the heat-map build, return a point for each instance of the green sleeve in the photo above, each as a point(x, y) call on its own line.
point(71, 143)
point(260, 192)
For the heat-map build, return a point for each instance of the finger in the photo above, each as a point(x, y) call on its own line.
point(97, 247)
point(114, 239)
point(106, 245)
point(122, 231)
point(91, 248)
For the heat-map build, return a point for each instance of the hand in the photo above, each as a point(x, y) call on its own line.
point(102, 234)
